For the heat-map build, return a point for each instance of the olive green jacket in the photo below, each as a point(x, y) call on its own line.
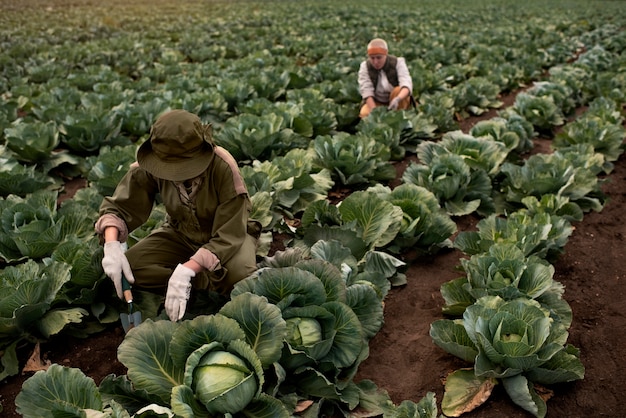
point(216, 217)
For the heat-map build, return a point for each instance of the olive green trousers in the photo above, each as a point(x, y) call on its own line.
point(154, 258)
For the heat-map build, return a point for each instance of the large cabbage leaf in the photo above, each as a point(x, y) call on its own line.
point(58, 391)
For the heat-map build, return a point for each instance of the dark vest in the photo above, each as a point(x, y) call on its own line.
point(389, 68)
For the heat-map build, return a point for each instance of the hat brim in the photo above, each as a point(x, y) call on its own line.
point(179, 169)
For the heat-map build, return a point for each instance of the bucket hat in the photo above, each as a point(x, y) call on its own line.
point(179, 147)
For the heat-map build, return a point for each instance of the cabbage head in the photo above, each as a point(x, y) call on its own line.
point(223, 382)
point(303, 331)
point(225, 378)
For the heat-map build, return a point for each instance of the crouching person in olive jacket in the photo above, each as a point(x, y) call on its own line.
point(208, 240)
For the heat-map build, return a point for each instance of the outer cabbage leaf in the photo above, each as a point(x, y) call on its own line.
point(52, 392)
point(521, 391)
point(286, 286)
point(366, 303)
point(377, 221)
point(464, 392)
point(262, 323)
point(451, 336)
point(145, 351)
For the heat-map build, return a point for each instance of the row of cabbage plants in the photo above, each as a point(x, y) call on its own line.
point(298, 347)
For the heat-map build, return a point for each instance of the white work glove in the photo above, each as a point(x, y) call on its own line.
point(178, 290)
point(115, 263)
point(394, 104)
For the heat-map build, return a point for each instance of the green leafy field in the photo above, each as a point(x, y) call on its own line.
point(82, 82)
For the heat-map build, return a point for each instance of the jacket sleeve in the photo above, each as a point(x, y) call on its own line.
point(130, 205)
point(366, 87)
point(404, 77)
point(229, 233)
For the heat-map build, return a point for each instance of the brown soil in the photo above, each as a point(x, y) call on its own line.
point(403, 359)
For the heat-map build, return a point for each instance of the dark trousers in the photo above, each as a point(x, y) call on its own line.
point(154, 258)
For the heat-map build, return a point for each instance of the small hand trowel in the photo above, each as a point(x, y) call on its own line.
point(132, 318)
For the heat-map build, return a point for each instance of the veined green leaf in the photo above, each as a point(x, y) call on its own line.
point(56, 388)
point(154, 370)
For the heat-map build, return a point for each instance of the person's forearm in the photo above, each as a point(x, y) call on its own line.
point(404, 93)
point(111, 234)
point(371, 103)
point(195, 266)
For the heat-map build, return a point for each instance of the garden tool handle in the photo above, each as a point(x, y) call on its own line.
point(128, 294)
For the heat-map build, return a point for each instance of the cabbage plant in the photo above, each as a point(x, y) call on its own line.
point(21, 180)
point(250, 137)
point(207, 366)
point(553, 173)
point(504, 271)
point(32, 142)
point(541, 111)
point(540, 234)
point(86, 130)
point(363, 221)
point(353, 159)
point(402, 131)
point(514, 132)
point(479, 153)
point(290, 183)
point(328, 326)
point(460, 190)
point(107, 168)
point(32, 227)
point(476, 95)
point(606, 137)
point(425, 226)
point(32, 308)
point(515, 342)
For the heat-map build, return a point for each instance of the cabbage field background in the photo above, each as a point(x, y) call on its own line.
point(521, 114)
